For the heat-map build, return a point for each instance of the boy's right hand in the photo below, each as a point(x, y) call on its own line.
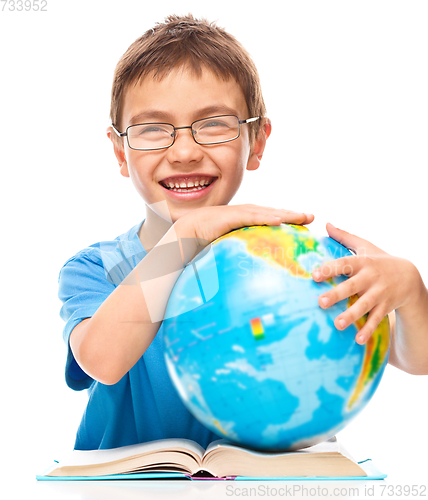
point(209, 223)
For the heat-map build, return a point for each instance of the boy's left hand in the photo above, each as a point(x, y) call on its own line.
point(381, 282)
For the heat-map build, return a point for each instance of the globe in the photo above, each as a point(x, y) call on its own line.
point(252, 354)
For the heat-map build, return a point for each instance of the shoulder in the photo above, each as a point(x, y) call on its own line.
point(111, 260)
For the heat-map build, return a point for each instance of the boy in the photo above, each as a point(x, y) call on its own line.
point(188, 119)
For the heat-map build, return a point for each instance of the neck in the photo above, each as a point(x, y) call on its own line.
point(153, 229)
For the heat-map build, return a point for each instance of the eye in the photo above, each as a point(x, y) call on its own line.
point(213, 124)
point(153, 129)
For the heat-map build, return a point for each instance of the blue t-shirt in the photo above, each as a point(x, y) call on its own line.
point(143, 405)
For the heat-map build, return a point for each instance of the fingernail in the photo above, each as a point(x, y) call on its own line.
point(360, 339)
point(325, 301)
point(316, 275)
point(342, 324)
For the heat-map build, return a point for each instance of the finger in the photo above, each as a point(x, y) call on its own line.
point(348, 240)
point(285, 216)
point(375, 316)
point(346, 289)
point(361, 307)
point(289, 217)
point(254, 215)
point(347, 266)
point(309, 218)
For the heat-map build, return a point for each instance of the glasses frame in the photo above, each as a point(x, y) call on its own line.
point(174, 135)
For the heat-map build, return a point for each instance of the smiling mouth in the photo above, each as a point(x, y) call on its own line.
point(187, 184)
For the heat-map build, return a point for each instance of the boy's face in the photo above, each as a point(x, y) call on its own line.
point(181, 98)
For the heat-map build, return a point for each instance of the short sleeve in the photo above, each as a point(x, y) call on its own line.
point(83, 287)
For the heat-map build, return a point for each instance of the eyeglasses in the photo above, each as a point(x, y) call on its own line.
point(212, 130)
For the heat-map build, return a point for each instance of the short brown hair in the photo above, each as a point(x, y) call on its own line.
point(197, 43)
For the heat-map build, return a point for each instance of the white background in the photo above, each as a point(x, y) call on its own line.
point(345, 84)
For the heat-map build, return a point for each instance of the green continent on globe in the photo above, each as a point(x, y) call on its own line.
point(279, 247)
point(250, 351)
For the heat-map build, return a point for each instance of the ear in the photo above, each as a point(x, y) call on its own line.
point(259, 145)
point(118, 151)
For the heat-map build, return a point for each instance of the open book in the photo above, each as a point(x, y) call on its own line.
point(220, 460)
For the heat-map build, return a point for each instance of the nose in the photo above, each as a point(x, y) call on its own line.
point(185, 149)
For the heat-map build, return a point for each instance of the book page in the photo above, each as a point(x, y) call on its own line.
point(321, 460)
point(93, 457)
point(329, 446)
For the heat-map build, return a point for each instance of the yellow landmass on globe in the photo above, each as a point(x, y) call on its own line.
point(219, 427)
point(278, 247)
point(283, 249)
point(376, 350)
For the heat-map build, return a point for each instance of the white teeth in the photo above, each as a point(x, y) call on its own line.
point(187, 190)
point(187, 187)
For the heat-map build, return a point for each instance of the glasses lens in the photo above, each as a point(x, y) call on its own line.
point(150, 136)
point(216, 129)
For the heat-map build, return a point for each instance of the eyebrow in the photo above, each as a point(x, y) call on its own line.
point(164, 116)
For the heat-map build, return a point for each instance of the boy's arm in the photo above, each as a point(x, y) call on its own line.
point(383, 284)
point(107, 345)
point(122, 328)
point(409, 334)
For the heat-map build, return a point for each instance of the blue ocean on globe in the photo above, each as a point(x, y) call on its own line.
point(251, 353)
